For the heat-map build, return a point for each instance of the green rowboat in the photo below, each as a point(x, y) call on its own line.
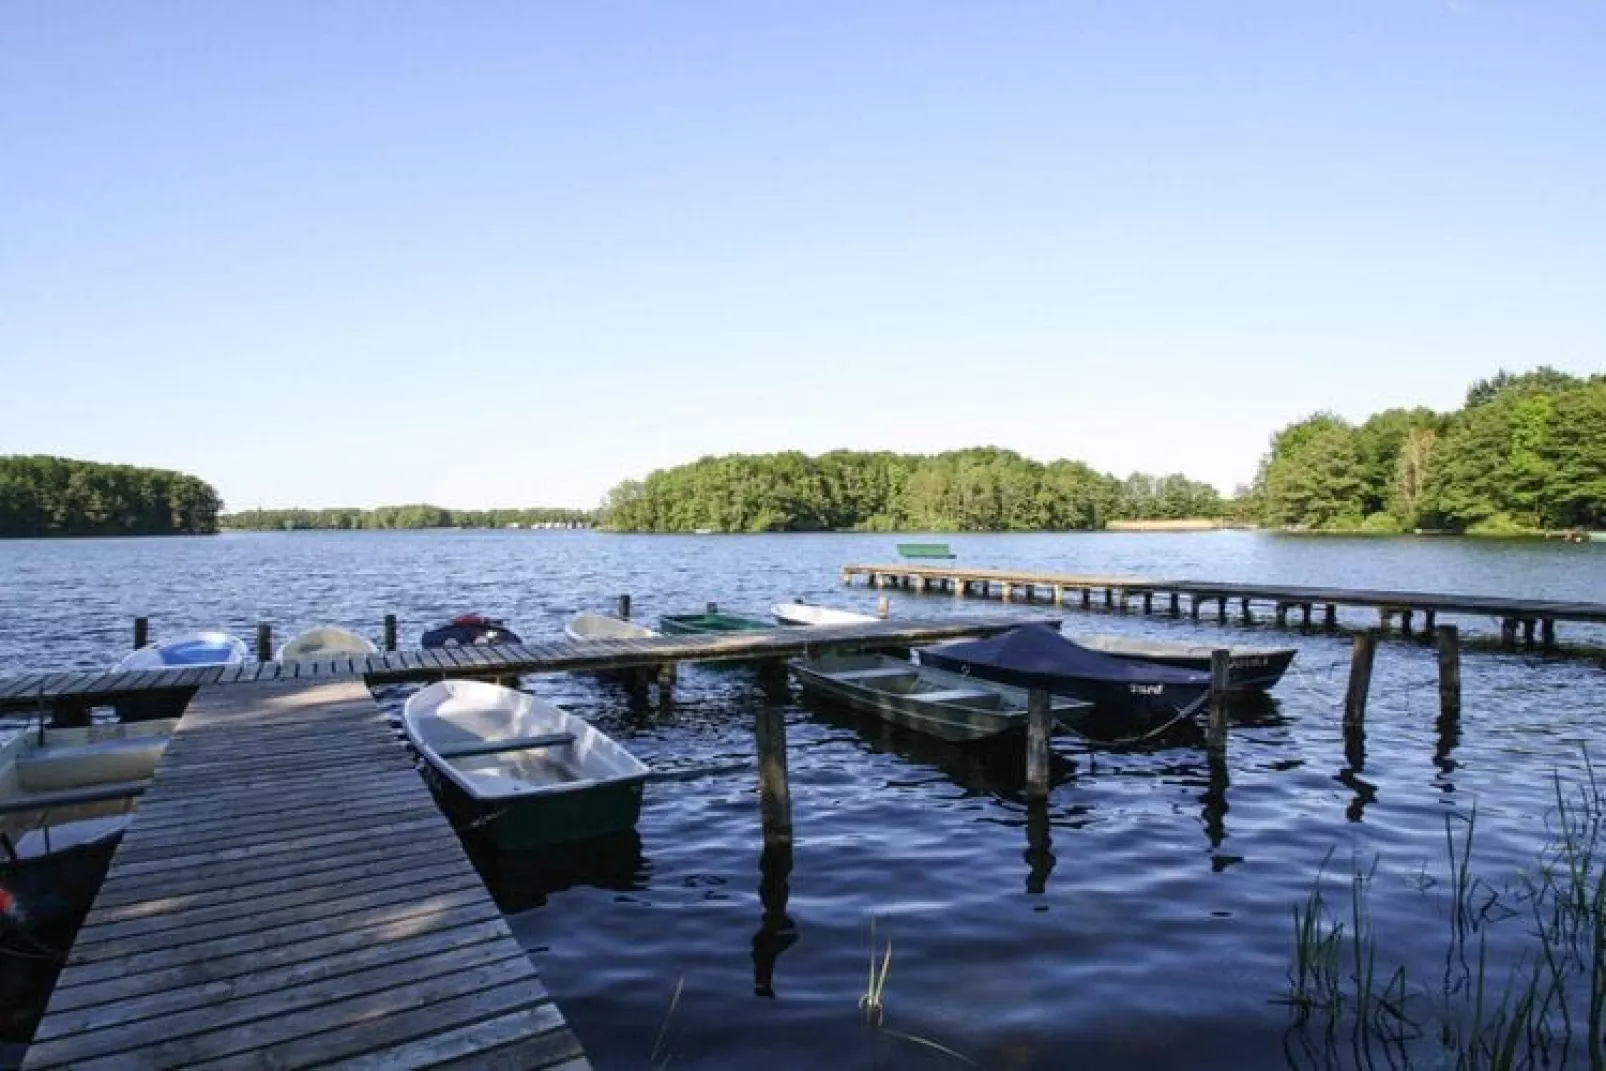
point(709, 623)
point(925, 550)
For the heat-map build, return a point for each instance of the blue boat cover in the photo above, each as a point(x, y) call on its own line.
point(1040, 650)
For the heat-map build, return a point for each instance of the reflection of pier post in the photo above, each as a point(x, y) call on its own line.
point(1214, 798)
point(776, 931)
point(1349, 777)
point(1039, 848)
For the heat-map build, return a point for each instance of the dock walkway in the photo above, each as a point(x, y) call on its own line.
point(1118, 591)
point(288, 895)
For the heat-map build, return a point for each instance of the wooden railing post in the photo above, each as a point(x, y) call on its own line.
point(390, 632)
point(264, 642)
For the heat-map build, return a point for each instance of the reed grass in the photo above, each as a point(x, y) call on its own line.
point(1534, 1010)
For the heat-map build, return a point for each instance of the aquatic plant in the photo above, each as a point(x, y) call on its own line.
point(1552, 995)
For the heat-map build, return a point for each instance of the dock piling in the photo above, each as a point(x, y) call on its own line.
point(666, 683)
point(622, 607)
point(1248, 617)
point(774, 789)
point(142, 632)
point(1220, 675)
point(1039, 724)
point(1360, 677)
point(390, 632)
point(1547, 628)
point(1330, 617)
point(264, 642)
point(1448, 640)
point(1528, 632)
point(1176, 605)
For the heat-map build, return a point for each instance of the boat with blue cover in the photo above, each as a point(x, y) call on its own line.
point(1038, 656)
point(1249, 669)
point(193, 649)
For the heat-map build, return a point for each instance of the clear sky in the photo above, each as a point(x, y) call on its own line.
point(510, 253)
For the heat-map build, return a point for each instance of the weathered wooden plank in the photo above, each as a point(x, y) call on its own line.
point(237, 828)
point(165, 811)
point(300, 843)
point(532, 1037)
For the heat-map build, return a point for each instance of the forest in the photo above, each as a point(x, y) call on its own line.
point(1525, 453)
point(980, 489)
point(58, 496)
point(418, 515)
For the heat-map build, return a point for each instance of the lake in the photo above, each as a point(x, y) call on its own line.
point(1150, 924)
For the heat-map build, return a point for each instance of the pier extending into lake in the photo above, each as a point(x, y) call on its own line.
point(288, 895)
point(1119, 592)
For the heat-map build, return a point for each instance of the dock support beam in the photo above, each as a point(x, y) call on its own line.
point(774, 788)
point(264, 642)
point(1428, 620)
point(666, 683)
point(1039, 724)
point(1087, 598)
point(142, 632)
point(1449, 650)
point(390, 632)
point(1360, 678)
point(1109, 598)
point(1304, 615)
point(1508, 632)
point(1221, 610)
point(1281, 615)
point(1528, 632)
point(1193, 601)
point(1148, 602)
point(1220, 675)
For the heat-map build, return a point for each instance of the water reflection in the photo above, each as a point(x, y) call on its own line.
point(521, 880)
point(1039, 854)
point(1349, 776)
point(776, 930)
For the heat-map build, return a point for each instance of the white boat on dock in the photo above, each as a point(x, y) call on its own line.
point(802, 613)
point(590, 626)
point(537, 773)
point(328, 641)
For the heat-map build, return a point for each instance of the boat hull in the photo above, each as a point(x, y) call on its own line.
point(1151, 702)
point(567, 816)
point(709, 624)
point(1249, 670)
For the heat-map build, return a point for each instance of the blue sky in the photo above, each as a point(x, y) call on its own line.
point(485, 253)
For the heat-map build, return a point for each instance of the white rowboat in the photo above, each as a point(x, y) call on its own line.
point(326, 642)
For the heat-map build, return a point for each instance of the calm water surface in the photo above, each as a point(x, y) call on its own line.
point(1148, 925)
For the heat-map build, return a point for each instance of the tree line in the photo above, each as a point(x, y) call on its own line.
point(57, 496)
point(979, 489)
point(416, 515)
point(1525, 452)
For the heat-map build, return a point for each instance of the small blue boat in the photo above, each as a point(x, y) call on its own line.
point(1038, 656)
point(194, 649)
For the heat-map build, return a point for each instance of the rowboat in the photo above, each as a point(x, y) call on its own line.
point(469, 630)
point(1038, 656)
point(65, 797)
point(326, 642)
point(531, 772)
point(193, 649)
point(589, 626)
point(1249, 668)
point(712, 622)
point(946, 705)
point(801, 613)
point(925, 550)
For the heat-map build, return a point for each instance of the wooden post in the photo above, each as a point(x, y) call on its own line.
point(1087, 598)
point(1449, 644)
point(1221, 610)
point(1385, 617)
point(1039, 724)
point(1243, 607)
point(774, 789)
point(1548, 631)
point(1039, 847)
point(1220, 678)
point(142, 632)
point(1176, 605)
point(1304, 615)
point(666, 683)
point(390, 632)
point(1405, 622)
point(1528, 632)
point(1059, 594)
point(1330, 617)
point(622, 608)
point(1508, 632)
point(1194, 601)
point(1360, 677)
point(1428, 620)
point(1282, 615)
point(1148, 602)
point(919, 584)
point(264, 642)
point(883, 607)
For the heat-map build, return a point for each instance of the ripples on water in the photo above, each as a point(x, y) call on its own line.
point(1151, 927)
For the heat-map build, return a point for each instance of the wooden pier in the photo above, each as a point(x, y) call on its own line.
point(1118, 592)
point(67, 691)
point(289, 895)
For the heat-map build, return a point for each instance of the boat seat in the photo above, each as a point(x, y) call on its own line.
point(952, 695)
point(516, 743)
point(873, 674)
point(70, 797)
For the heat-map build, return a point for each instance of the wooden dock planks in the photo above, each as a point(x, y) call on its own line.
point(288, 895)
point(510, 660)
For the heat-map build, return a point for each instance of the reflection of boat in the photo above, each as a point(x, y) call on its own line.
point(193, 649)
point(801, 613)
point(325, 642)
point(711, 622)
point(540, 774)
point(1038, 656)
point(523, 880)
point(469, 630)
point(589, 626)
point(946, 705)
point(1250, 668)
point(65, 796)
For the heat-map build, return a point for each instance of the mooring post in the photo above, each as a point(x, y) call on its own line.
point(1039, 724)
point(1360, 677)
point(1508, 632)
point(264, 642)
point(1220, 677)
point(1194, 602)
point(883, 607)
point(1148, 602)
point(1221, 610)
point(1449, 644)
point(1281, 615)
point(666, 683)
point(1109, 598)
point(622, 608)
point(1304, 615)
point(1330, 617)
point(142, 632)
point(774, 790)
point(1176, 605)
point(1428, 624)
point(1087, 598)
point(1528, 632)
point(390, 632)
point(1243, 606)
